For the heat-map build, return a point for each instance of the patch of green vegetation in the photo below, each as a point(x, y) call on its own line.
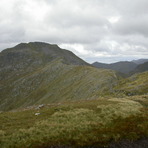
point(79, 123)
point(35, 73)
point(56, 82)
point(137, 84)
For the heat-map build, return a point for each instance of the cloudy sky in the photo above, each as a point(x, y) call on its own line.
point(96, 30)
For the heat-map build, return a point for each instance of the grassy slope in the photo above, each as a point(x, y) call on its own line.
point(38, 73)
point(56, 82)
point(78, 123)
point(136, 84)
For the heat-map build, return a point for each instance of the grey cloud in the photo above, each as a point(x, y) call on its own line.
point(104, 29)
point(132, 25)
point(75, 16)
point(132, 8)
point(133, 17)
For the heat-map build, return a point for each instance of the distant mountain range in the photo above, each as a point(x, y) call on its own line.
point(125, 67)
point(35, 73)
point(141, 68)
point(140, 61)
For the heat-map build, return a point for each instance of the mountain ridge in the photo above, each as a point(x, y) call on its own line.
point(33, 74)
point(48, 99)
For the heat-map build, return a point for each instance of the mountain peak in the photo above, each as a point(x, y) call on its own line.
point(40, 51)
point(36, 44)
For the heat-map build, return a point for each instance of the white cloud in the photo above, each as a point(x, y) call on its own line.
point(94, 30)
point(114, 19)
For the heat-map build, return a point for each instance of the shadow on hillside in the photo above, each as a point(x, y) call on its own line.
point(141, 143)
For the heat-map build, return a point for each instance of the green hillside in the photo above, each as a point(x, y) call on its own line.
point(90, 123)
point(26, 58)
point(50, 98)
point(36, 73)
point(32, 76)
point(136, 84)
point(56, 82)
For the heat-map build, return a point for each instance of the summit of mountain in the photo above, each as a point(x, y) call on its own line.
point(27, 57)
point(43, 52)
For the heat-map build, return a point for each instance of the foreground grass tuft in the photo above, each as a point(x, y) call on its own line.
point(76, 124)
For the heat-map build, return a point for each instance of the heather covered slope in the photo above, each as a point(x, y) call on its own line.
point(56, 82)
point(50, 98)
point(136, 84)
point(34, 74)
point(37, 73)
point(93, 123)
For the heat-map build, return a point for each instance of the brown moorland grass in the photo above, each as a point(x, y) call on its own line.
point(76, 124)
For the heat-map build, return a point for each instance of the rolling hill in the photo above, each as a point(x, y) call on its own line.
point(140, 68)
point(97, 123)
point(36, 73)
point(50, 98)
point(133, 85)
